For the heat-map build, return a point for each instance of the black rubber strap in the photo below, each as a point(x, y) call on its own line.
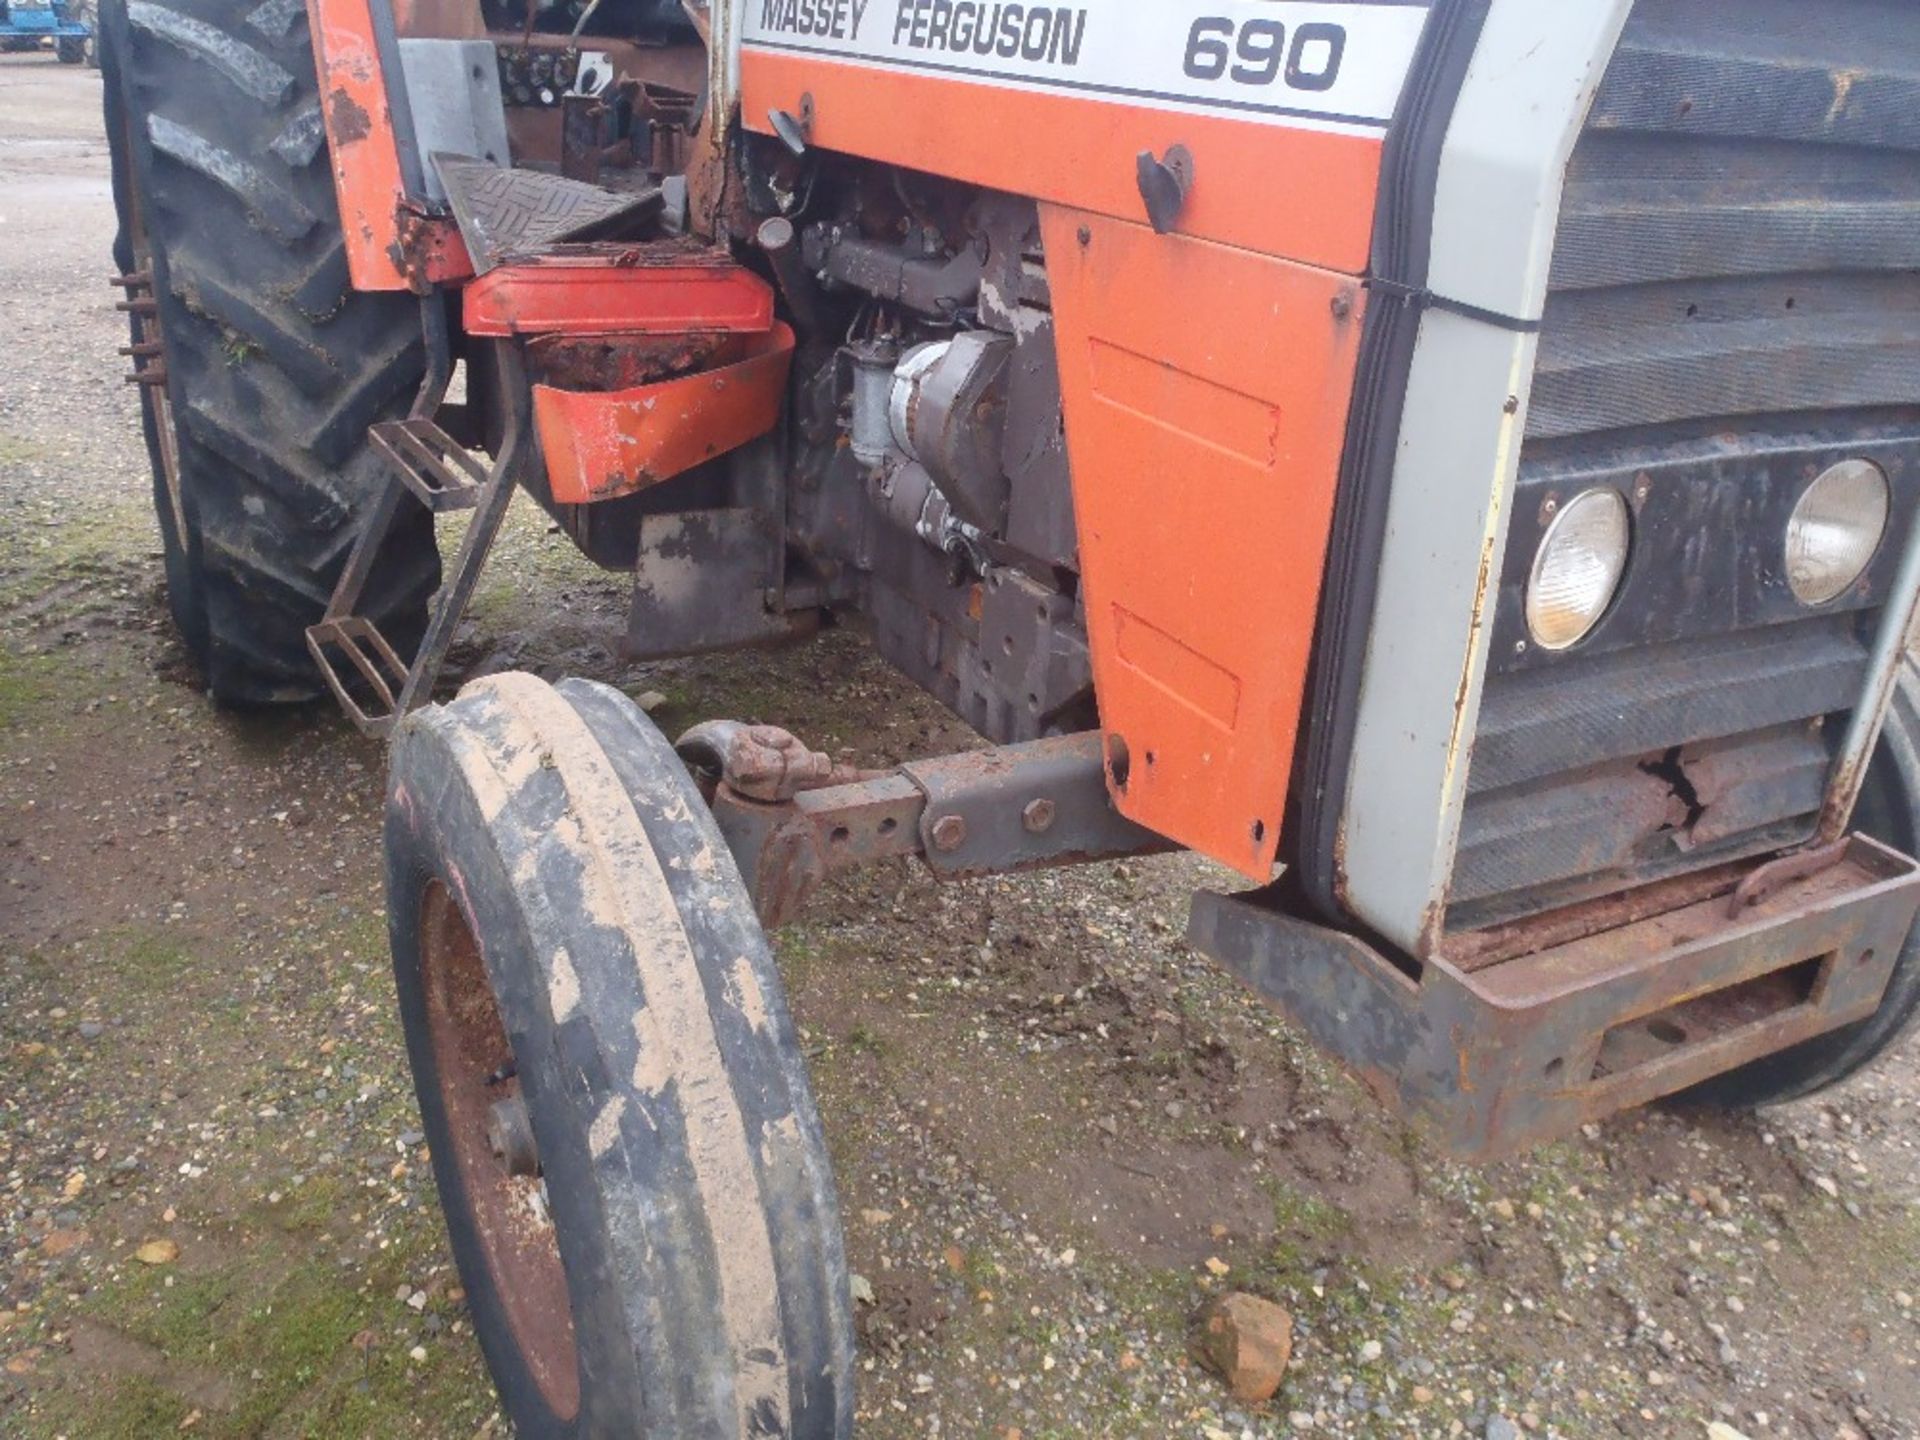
point(1422, 298)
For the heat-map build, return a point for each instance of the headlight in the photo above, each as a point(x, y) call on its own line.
point(1835, 529)
point(1577, 568)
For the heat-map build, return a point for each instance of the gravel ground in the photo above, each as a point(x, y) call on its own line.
point(1057, 1131)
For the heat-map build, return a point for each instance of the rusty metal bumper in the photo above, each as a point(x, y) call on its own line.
point(1496, 1055)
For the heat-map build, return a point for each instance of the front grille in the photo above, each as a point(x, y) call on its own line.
point(1734, 305)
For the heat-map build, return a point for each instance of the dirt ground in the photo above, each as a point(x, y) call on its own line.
point(1056, 1129)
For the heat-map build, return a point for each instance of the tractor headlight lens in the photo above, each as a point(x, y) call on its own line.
point(1835, 530)
point(1577, 568)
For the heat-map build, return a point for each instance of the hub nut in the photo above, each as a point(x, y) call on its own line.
point(510, 1133)
point(949, 833)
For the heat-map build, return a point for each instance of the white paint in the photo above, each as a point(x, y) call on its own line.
point(1526, 96)
point(1346, 73)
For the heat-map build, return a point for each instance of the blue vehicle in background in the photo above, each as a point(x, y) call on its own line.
point(29, 24)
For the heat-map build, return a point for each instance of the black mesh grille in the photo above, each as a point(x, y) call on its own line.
point(1734, 305)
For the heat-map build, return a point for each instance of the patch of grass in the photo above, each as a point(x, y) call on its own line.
point(152, 957)
point(309, 1209)
point(138, 1409)
point(180, 1313)
point(238, 349)
point(26, 684)
point(16, 450)
point(293, 1339)
point(313, 1352)
point(1303, 1224)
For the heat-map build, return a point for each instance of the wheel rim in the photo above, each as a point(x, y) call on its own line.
point(147, 332)
point(508, 1211)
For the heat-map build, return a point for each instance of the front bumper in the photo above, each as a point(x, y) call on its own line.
point(1495, 1054)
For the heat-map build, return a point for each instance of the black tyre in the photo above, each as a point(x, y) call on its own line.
point(275, 367)
point(1889, 811)
point(572, 944)
point(70, 50)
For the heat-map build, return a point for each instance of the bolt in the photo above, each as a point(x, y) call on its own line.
point(949, 833)
point(1038, 815)
point(1342, 306)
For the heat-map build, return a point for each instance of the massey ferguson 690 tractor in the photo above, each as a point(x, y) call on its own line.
point(1455, 464)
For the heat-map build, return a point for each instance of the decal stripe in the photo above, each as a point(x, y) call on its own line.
point(1118, 92)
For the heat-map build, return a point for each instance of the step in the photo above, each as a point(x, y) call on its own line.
point(373, 659)
point(505, 213)
point(438, 470)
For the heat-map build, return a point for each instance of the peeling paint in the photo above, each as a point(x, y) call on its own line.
point(347, 119)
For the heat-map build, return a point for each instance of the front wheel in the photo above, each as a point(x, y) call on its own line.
point(635, 1184)
point(1889, 811)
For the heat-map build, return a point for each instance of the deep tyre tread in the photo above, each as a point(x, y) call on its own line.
point(276, 367)
point(682, 1155)
point(1889, 811)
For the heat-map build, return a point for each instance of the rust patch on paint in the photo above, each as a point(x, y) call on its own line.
point(347, 118)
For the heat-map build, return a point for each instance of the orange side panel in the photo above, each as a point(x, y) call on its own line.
point(1281, 190)
point(600, 445)
point(360, 140)
point(1206, 393)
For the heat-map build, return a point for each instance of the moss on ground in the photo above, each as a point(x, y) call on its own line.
point(27, 682)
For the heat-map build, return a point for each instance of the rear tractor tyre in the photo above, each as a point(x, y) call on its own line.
point(70, 50)
point(264, 367)
point(636, 1188)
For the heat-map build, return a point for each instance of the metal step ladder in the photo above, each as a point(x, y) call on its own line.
point(425, 466)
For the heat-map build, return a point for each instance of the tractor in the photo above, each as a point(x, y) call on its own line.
point(1453, 463)
point(67, 23)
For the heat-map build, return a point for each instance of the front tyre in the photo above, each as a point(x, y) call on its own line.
point(635, 1184)
point(1889, 811)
